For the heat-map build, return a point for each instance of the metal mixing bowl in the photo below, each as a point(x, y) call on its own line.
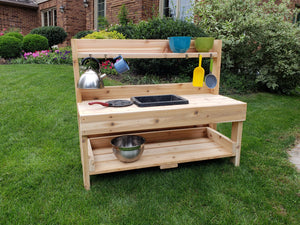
point(128, 148)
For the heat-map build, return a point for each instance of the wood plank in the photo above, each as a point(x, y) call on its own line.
point(165, 152)
point(85, 164)
point(220, 139)
point(155, 136)
point(166, 148)
point(195, 101)
point(127, 91)
point(158, 160)
point(137, 48)
point(91, 156)
point(156, 119)
point(149, 55)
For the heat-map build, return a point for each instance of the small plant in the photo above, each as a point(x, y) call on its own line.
point(54, 34)
point(105, 35)
point(102, 23)
point(10, 47)
point(122, 16)
point(108, 68)
point(34, 42)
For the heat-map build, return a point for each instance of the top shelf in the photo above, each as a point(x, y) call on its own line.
point(110, 48)
point(137, 55)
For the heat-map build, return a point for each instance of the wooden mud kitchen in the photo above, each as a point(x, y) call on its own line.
point(174, 133)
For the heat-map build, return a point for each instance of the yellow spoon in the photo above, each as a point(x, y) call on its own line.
point(198, 74)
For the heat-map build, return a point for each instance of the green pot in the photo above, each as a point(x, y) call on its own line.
point(204, 44)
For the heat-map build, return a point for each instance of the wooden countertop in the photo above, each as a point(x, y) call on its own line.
point(195, 101)
point(202, 109)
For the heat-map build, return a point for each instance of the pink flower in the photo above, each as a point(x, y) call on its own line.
point(105, 67)
point(56, 51)
point(110, 67)
point(1, 34)
point(36, 54)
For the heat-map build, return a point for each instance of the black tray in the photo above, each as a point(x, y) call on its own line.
point(158, 100)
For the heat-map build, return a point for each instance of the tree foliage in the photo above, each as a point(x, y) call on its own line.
point(260, 42)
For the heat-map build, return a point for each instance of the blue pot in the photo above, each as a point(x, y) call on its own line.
point(179, 44)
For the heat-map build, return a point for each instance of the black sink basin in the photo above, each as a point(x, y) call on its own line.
point(158, 100)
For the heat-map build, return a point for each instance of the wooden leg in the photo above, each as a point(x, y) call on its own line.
point(85, 162)
point(236, 136)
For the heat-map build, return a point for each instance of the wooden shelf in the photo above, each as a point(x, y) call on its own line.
point(165, 149)
point(137, 55)
point(142, 49)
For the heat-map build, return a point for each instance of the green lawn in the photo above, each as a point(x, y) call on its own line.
point(41, 177)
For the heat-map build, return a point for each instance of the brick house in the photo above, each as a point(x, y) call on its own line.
point(78, 15)
point(21, 14)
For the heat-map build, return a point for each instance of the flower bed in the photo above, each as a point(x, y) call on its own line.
point(45, 57)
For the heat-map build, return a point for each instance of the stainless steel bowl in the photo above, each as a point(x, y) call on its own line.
point(128, 148)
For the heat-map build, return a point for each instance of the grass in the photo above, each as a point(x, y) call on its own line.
point(41, 176)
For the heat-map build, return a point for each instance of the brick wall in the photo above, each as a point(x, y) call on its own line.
point(22, 18)
point(73, 19)
point(137, 9)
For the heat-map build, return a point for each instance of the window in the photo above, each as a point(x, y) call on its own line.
point(100, 8)
point(49, 17)
point(181, 9)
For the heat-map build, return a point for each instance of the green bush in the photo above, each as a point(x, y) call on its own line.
point(10, 47)
point(104, 35)
point(15, 34)
point(54, 34)
point(82, 34)
point(127, 30)
point(260, 44)
point(102, 23)
point(157, 28)
point(123, 16)
point(34, 42)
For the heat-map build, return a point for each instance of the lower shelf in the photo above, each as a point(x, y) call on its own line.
point(165, 149)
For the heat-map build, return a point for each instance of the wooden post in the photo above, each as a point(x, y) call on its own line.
point(85, 163)
point(236, 136)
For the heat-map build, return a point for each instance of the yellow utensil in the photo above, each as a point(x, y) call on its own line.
point(198, 75)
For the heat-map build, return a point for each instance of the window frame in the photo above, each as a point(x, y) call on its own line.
point(96, 12)
point(51, 17)
point(163, 8)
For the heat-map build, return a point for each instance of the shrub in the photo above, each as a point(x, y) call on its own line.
point(82, 34)
point(157, 28)
point(105, 35)
point(260, 44)
point(127, 30)
point(54, 34)
point(15, 34)
point(122, 16)
point(10, 47)
point(102, 23)
point(34, 42)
